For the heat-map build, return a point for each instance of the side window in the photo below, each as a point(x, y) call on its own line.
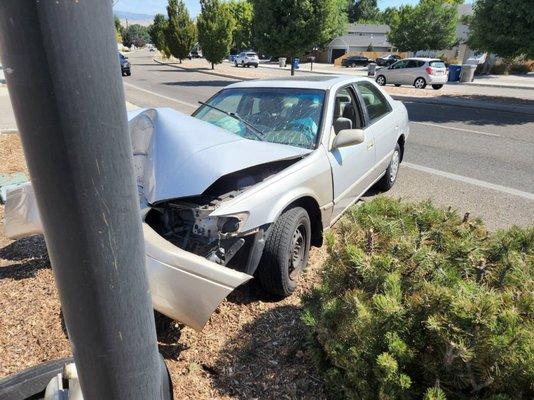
point(346, 108)
point(400, 64)
point(376, 103)
point(415, 63)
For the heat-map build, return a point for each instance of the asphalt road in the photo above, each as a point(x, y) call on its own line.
point(477, 161)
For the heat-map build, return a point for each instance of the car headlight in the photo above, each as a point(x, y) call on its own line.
point(212, 226)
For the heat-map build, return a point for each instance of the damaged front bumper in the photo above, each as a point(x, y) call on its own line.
point(184, 286)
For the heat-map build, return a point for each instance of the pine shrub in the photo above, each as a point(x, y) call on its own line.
point(417, 302)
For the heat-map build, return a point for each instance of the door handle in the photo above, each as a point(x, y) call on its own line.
point(370, 145)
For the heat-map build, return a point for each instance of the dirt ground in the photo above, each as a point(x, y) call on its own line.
point(252, 348)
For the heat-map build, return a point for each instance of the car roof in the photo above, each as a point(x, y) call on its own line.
point(423, 59)
point(323, 82)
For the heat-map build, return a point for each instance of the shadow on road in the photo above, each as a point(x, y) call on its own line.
point(215, 83)
point(419, 111)
point(267, 359)
point(28, 255)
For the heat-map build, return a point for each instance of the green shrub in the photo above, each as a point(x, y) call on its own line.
point(419, 303)
point(520, 68)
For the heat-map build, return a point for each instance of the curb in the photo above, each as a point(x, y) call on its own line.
point(500, 85)
point(478, 105)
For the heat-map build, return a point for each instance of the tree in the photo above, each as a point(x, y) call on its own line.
point(431, 25)
point(156, 32)
point(370, 47)
point(180, 32)
point(290, 28)
point(363, 11)
point(135, 34)
point(503, 27)
point(242, 13)
point(118, 29)
point(215, 27)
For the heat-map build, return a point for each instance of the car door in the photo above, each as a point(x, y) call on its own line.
point(412, 72)
point(395, 72)
point(351, 164)
point(379, 124)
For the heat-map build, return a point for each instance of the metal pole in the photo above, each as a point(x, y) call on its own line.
point(63, 76)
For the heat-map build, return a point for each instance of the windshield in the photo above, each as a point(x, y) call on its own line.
point(286, 116)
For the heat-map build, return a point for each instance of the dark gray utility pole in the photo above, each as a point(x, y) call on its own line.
point(61, 66)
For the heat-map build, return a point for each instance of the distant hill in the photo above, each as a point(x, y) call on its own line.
point(133, 18)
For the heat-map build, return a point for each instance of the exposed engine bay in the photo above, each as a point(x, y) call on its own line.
point(186, 222)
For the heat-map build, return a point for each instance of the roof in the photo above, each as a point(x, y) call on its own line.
point(425, 59)
point(359, 41)
point(322, 82)
point(368, 28)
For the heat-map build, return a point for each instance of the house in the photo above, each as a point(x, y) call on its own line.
point(358, 38)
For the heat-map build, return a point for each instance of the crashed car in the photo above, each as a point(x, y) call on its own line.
point(248, 183)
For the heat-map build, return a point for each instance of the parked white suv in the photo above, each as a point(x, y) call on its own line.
point(246, 59)
point(418, 72)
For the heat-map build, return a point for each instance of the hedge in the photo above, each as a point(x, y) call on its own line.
point(419, 302)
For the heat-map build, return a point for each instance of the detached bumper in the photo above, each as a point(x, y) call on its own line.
point(184, 286)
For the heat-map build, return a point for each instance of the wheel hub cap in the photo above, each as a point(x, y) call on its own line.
point(297, 253)
point(394, 166)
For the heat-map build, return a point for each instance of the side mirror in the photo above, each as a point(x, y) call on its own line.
point(348, 137)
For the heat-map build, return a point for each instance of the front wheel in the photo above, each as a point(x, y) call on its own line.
point(420, 83)
point(397, 84)
point(286, 252)
point(236, 64)
point(437, 87)
point(389, 178)
point(381, 80)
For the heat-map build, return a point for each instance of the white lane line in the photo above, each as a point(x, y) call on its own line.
point(185, 103)
point(457, 129)
point(471, 181)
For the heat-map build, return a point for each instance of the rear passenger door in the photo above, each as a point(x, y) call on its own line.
point(379, 123)
point(412, 72)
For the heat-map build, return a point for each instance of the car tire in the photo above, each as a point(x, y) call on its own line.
point(236, 64)
point(397, 84)
point(420, 83)
point(255, 65)
point(390, 177)
point(286, 252)
point(437, 87)
point(128, 74)
point(381, 80)
point(353, 65)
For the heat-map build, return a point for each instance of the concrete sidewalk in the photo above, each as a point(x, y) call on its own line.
point(505, 81)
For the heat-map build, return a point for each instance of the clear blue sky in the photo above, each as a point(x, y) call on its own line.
point(158, 6)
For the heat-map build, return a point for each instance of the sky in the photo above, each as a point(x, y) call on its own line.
point(153, 7)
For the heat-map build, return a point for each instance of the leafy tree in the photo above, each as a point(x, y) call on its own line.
point(180, 32)
point(135, 34)
point(290, 28)
point(215, 26)
point(363, 11)
point(157, 34)
point(118, 29)
point(242, 12)
point(430, 25)
point(370, 47)
point(503, 27)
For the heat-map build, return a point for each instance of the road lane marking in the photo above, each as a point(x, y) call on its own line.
point(185, 103)
point(456, 129)
point(471, 181)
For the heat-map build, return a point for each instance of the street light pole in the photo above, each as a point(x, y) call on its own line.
point(63, 77)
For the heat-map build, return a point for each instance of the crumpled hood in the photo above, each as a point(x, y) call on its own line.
point(176, 155)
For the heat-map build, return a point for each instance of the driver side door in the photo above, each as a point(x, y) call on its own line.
point(351, 165)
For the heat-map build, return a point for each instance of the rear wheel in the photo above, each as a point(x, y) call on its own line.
point(353, 65)
point(397, 84)
point(236, 64)
point(437, 87)
point(389, 178)
point(286, 252)
point(420, 83)
point(381, 80)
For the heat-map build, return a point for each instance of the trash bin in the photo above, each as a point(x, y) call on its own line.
point(468, 73)
point(296, 63)
point(282, 62)
point(371, 69)
point(454, 72)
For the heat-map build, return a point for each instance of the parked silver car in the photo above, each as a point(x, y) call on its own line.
point(418, 72)
point(248, 183)
point(247, 59)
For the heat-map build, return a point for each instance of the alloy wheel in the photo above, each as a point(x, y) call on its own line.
point(297, 255)
point(394, 169)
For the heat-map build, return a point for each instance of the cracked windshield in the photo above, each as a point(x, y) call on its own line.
point(286, 116)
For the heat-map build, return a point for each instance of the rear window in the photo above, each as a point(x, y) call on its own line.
point(437, 64)
point(251, 54)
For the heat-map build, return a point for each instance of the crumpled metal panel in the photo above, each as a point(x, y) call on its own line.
point(177, 155)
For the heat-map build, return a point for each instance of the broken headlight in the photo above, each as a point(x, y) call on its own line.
point(213, 226)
